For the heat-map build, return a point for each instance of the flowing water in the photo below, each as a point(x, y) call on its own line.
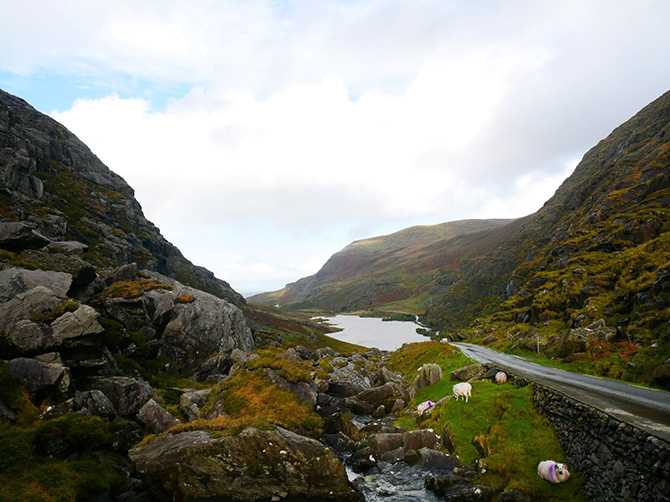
point(372, 332)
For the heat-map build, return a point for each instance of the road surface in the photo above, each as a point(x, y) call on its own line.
point(645, 408)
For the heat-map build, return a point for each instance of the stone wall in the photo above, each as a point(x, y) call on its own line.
point(619, 461)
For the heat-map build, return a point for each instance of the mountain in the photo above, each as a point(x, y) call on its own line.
point(392, 270)
point(588, 274)
point(52, 181)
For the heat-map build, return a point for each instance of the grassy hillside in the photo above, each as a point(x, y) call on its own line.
point(389, 271)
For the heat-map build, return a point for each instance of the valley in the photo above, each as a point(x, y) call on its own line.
point(131, 374)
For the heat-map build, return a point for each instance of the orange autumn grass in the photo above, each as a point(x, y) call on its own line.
point(251, 399)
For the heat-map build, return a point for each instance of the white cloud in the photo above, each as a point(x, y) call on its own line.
point(309, 124)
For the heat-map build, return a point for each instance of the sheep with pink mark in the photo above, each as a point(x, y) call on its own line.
point(464, 390)
point(423, 407)
point(501, 378)
point(552, 471)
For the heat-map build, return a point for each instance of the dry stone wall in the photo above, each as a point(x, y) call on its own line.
point(619, 461)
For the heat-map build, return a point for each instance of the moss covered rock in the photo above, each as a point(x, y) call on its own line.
point(253, 465)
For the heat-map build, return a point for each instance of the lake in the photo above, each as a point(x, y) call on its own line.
point(373, 332)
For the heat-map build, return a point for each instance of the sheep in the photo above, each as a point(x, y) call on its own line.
point(463, 389)
point(553, 472)
point(501, 378)
point(421, 409)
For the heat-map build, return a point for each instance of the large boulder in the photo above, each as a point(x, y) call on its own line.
point(19, 280)
point(82, 272)
point(39, 321)
point(583, 338)
point(385, 442)
point(203, 326)
point(253, 465)
point(369, 400)
point(467, 373)
point(126, 394)
point(43, 379)
point(428, 375)
point(421, 438)
point(155, 417)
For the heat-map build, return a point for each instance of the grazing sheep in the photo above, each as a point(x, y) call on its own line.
point(424, 406)
point(553, 471)
point(501, 378)
point(463, 389)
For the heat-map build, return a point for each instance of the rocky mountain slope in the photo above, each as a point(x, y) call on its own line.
point(393, 269)
point(50, 180)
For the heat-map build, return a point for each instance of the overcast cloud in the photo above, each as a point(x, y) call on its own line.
point(263, 136)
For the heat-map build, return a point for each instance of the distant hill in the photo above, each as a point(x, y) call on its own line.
point(391, 271)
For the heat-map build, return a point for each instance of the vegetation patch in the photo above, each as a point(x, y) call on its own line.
point(185, 299)
point(512, 437)
point(253, 400)
point(133, 289)
point(410, 357)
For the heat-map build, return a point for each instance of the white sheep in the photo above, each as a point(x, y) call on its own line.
point(552, 471)
point(421, 409)
point(463, 389)
point(501, 378)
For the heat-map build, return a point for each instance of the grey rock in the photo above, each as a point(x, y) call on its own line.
point(469, 493)
point(385, 442)
point(93, 402)
point(428, 375)
point(191, 402)
point(81, 322)
point(344, 388)
point(41, 377)
point(467, 373)
point(74, 247)
point(253, 465)
point(433, 460)
point(206, 326)
point(213, 369)
point(421, 438)
point(123, 273)
point(126, 394)
point(155, 418)
point(15, 236)
point(19, 280)
point(291, 355)
point(238, 356)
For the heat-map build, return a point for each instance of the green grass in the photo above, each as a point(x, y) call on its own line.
point(505, 420)
point(409, 358)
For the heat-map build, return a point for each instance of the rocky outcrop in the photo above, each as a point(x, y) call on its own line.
point(55, 189)
point(428, 375)
point(253, 465)
point(203, 327)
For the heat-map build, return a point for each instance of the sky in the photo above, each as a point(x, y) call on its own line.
point(263, 136)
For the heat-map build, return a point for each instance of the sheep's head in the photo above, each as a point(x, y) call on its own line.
point(562, 473)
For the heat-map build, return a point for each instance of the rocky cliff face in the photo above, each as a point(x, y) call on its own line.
point(52, 181)
point(88, 286)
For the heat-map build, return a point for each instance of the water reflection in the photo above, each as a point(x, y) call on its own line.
point(373, 332)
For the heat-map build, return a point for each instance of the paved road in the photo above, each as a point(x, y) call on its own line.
point(645, 408)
